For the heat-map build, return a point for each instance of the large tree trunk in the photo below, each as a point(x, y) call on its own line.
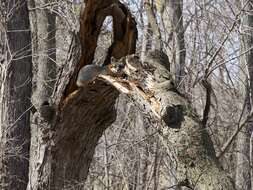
point(243, 165)
point(197, 165)
point(84, 113)
point(15, 99)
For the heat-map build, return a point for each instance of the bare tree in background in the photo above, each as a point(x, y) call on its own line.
point(243, 168)
point(16, 89)
point(173, 30)
point(43, 24)
point(84, 113)
point(164, 136)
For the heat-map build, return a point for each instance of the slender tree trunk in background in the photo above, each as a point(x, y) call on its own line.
point(43, 24)
point(153, 26)
point(172, 19)
point(251, 159)
point(243, 181)
point(15, 99)
point(146, 42)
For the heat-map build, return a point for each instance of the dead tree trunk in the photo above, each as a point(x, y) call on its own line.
point(84, 113)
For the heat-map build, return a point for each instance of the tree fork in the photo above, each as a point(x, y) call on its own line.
point(82, 115)
point(91, 20)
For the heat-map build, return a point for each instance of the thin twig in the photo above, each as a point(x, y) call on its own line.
point(232, 138)
point(207, 72)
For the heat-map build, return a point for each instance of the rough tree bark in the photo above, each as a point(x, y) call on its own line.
point(172, 19)
point(43, 29)
point(16, 77)
point(152, 23)
point(197, 164)
point(78, 123)
point(243, 165)
point(84, 113)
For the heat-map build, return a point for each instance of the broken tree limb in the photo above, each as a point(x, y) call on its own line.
point(150, 85)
